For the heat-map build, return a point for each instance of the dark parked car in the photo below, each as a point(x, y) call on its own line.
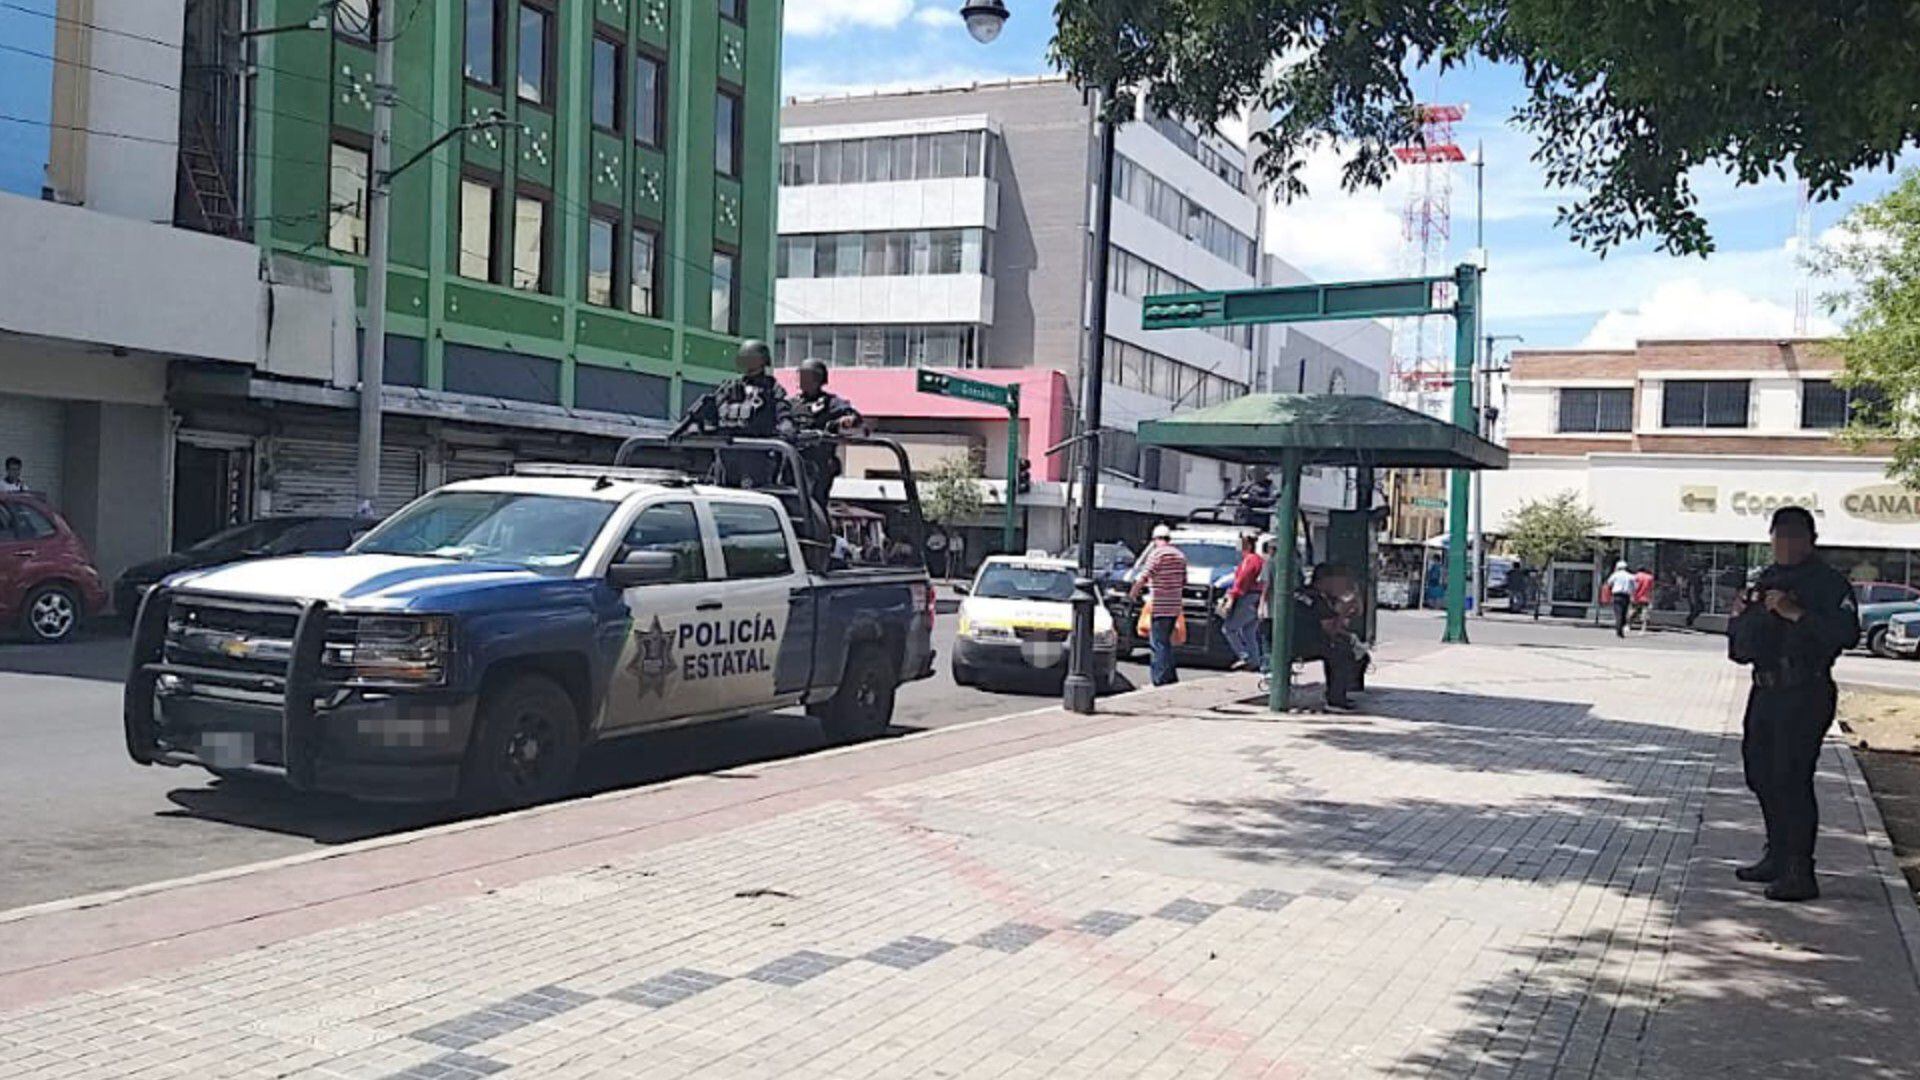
point(47, 580)
point(294, 534)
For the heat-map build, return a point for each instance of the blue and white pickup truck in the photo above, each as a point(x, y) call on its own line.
point(478, 642)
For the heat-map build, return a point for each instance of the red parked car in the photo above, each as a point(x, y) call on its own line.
point(47, 580)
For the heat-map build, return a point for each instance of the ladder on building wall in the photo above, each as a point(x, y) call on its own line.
point(206, 183)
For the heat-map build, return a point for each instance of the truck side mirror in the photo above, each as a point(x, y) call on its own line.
point(643, 568)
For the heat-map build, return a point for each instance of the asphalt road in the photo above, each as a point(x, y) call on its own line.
point(76, 816)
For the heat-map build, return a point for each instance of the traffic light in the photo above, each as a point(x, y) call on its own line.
point(1024, 482)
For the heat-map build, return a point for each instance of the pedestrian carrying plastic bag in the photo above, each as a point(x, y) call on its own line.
point(1143, 626)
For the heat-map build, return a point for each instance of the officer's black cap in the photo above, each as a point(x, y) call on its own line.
point(1796, 515)
point(818, 367)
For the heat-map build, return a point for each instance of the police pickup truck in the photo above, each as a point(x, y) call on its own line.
point(481, 640)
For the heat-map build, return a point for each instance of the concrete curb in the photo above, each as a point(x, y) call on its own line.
point(1906, 914)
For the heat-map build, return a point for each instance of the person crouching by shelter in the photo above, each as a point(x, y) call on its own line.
point(1323, 631)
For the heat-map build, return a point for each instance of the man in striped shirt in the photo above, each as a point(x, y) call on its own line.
point(1163, 574)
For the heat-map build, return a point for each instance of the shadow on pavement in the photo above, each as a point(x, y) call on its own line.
point(726, 750)
point(99, 656)
point(1511, 797)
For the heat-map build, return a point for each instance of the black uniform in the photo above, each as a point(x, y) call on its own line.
point(1792, 701)
point(754, 406)
point(818, 419)
point(1336, 652)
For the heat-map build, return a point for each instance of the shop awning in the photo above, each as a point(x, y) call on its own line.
point(1327, 429)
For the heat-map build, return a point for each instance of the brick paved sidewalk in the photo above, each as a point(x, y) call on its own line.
point(1518, 866)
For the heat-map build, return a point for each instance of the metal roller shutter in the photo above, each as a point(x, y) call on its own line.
point(476, 464)
point(315, 477)
point(34, 430)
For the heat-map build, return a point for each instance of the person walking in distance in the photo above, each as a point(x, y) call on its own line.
point(1790, 626)
point(1240, 608)
point(1163, 575)
point(12, 481)
point(1643, 597)
point(1620, 593)
point(1690, 581)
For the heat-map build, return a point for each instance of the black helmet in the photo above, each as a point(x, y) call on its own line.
point(755, 347)
point(817, 367)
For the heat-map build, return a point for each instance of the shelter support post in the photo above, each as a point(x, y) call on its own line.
point(1466, 339)
point(1286, 516)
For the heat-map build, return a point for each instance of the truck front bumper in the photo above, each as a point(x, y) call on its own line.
point(314, 734)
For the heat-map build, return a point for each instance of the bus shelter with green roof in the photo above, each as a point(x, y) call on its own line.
point(1288, 432)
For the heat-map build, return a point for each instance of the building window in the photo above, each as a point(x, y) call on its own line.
point(606, 84)
point(483, 42)
point(938, 156)
point(643, 275)
point(725, 285)
point(1826, 405)
point(1603, 410)
point(353, 19)
point(953, 345)
point(726, 133)
point(649, 95)
point(1166, 204)
point(536, 39)
point(601, 230)
point(347, 199)
point(1130, 366)
point(1702, 403)
point(530, 224)
point(734, 9)
point(477, 201)
point(905, 253)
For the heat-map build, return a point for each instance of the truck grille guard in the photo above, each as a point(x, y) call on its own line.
point(297, 687)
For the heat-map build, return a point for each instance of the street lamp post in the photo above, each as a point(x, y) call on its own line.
point(984, 20)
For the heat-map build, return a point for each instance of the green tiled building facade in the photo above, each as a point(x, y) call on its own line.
point(606, 250)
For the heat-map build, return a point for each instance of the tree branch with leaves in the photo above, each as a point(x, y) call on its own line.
point(951, 495)
point(1558, 527)
point(1628, 101)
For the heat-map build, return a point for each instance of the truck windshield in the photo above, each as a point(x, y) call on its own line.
point(1210, 557)
point(1003, 582)
point(546, 533)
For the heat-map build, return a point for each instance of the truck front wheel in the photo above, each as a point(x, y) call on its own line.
point(863, 706)
point(525, 745)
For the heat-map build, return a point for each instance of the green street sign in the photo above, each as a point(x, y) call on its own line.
point(1428, 502)
point(1300, 303)
point(953, 386)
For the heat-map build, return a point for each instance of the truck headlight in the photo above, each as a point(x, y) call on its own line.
point(409, 650)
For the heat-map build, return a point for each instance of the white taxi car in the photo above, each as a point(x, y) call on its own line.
point(1016, 620)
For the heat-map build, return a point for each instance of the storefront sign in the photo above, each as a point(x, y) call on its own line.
point(1889, 504)
point(1699, 499)
point(1755, 504)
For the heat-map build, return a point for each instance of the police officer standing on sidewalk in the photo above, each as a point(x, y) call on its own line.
point(1790, 625)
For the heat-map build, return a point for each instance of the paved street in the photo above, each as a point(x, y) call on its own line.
point(1514, 863)
point(76, 816)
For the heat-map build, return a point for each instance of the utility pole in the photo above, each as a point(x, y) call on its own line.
point(373, 349)
point(1077, 691)
point(1478, 567)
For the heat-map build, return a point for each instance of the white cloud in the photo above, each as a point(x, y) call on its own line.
point(818, 18)
point(1690, 308)
point(937, 17)
point(1332, 233)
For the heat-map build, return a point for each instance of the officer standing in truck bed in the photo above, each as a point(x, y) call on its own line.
point(1791, 626)
point(821, 417)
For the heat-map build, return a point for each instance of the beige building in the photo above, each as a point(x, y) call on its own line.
point(1685, 448)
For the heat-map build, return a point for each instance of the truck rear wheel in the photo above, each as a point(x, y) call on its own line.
point(526, 742)
point(863, 706)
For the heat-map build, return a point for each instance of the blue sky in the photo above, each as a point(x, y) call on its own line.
point(1540, 284)
point(26, 90)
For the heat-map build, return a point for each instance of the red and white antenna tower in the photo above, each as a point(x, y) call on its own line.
point(1422, 370)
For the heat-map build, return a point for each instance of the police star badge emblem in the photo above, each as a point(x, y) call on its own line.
point(652, 663)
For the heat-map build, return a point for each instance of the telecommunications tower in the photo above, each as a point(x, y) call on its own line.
point(1422, 373)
